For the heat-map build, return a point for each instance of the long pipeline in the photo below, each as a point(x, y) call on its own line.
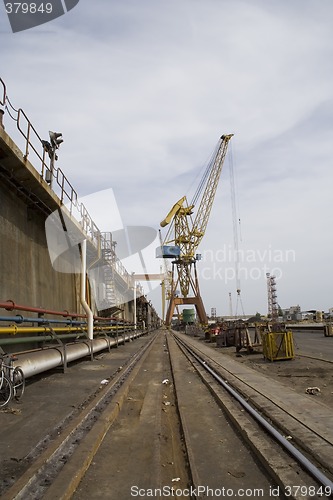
point(84, 303)
point(22, 319)
point(14, 330)
point(10, 305)
point(39, 361)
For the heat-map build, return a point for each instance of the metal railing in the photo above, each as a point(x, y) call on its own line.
point(3, 93)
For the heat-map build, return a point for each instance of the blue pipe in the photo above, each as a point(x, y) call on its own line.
point(21, 319)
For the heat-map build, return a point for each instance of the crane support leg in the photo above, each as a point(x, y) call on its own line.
point(180, 301)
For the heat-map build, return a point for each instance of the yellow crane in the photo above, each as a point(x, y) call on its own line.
point(185, 235)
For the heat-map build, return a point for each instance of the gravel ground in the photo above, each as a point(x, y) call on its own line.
point(299, 373)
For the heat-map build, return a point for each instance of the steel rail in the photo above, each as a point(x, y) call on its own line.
point(292, 450)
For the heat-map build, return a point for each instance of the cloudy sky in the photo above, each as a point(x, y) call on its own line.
point(142, 91)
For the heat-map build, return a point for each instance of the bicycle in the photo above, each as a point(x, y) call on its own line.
point(12, 380)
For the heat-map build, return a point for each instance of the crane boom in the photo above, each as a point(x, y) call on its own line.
point(172, 212)
point(203, 213)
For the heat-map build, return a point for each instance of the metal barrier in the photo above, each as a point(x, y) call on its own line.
point(29, 132)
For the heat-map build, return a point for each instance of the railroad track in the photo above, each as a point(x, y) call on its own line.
point(313, 476)
point(159, 429)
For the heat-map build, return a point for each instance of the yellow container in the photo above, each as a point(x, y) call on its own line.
point(278, 345)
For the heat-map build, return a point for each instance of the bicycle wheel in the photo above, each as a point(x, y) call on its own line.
point(6, 390)
point(18, 383)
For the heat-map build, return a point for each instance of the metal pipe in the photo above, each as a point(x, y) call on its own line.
point(21, 319)
point(14, 330)
point(36, 362)
point(10, 306)
point(46, 338)
point(35, 340)
point(85, 305)
point(47, 359)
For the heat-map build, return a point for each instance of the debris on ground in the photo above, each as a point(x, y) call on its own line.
point(312, 390)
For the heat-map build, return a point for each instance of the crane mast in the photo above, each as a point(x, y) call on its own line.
point(187, 236)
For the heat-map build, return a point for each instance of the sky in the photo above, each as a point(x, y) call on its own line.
point(142, 92)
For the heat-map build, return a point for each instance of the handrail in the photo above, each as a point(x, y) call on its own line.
point(62, 181)
point(3, 99)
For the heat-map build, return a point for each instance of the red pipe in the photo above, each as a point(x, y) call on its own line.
point(10, 305)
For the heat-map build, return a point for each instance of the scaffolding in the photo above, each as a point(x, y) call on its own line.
point(277, 343)
point(273, 307)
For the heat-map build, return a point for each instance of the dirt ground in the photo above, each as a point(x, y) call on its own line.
point(299, 373)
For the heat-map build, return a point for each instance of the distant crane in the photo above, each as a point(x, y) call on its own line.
point(236, 225)
point(185, 235)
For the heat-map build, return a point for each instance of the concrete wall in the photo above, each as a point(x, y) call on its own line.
point(27, 276)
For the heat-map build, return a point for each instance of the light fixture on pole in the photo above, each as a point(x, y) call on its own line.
point(51, 148)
